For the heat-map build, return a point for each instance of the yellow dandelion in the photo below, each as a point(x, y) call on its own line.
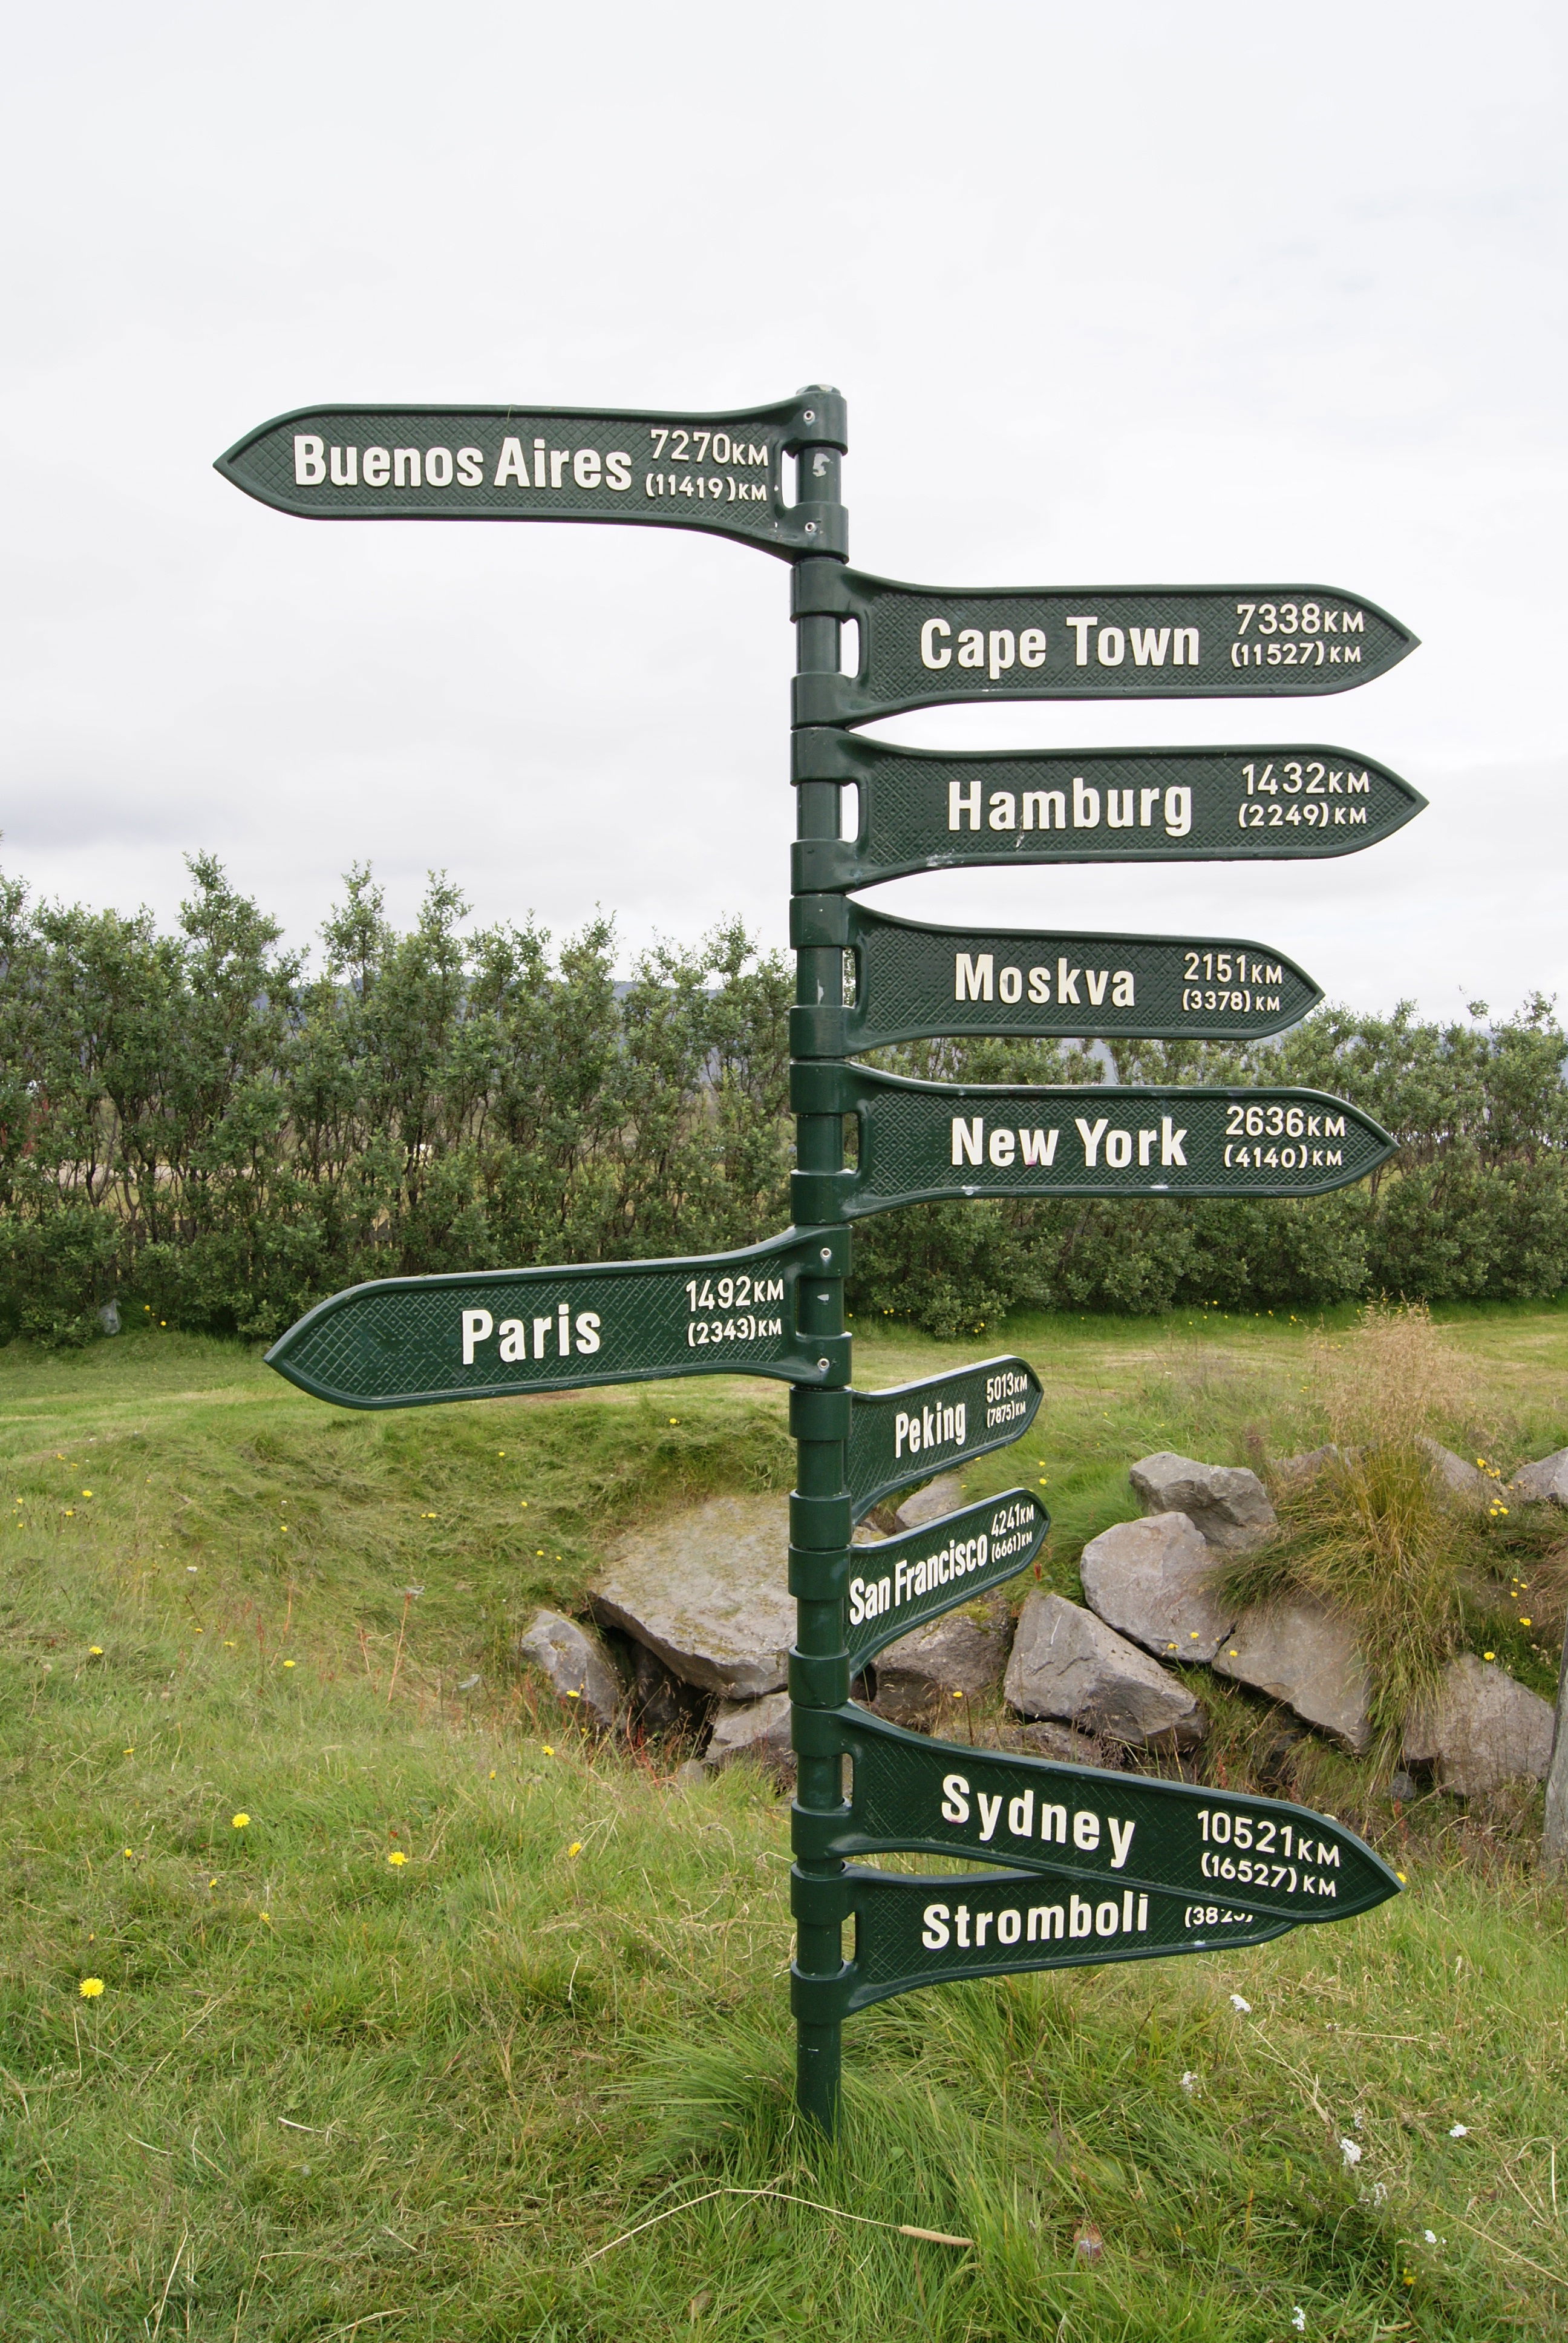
point(1527, 1623)
point(492, 1773)
point(397, 1857)
point(240, 1822)
point(547, 1750)
point(229, 1644)
point(574, 1696)
point(1489, 1656)
point(86, 1493)
point(266, 1916)
point(1400, 1877)
point(95, 1651)
point(90, 1988)
point(130, 1853)
point(70, 1513)
point(130, 1751)
point(575, 1848)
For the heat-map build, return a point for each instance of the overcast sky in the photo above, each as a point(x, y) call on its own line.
point(1183, 294)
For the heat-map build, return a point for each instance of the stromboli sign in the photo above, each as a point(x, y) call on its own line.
point(1087, 1865)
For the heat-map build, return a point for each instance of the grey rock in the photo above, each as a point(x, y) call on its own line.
point(660, 1702)
point(690, 1776)
point(1152, 1580)
point(707, 1592)
point(1067, 1664)
point(1401, 1787)
point(575, 1664)
point(1480, 1729)
point(1299, 1652)
point(1298, 1471)
point(757, 1730)
point(943, 1495)
point(1459, 1478)
point(960, 1656)
point(1544, 1483)
point(1061, 1742)
point(1227, 1502)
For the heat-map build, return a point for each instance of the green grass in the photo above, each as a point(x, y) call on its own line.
point(324, 2095)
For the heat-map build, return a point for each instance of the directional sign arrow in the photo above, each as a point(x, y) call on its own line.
point(922, 1142)
point(914, 1429)
point(410, 1342)
point(912, 980)
point(721, 473)
point(900, 1584)
point(1111, 1831)
point(922, 644)
point(941, 809)
point(913, 1932)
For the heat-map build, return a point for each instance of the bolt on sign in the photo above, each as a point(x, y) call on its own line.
point(941, 809)
point(1081, 1865)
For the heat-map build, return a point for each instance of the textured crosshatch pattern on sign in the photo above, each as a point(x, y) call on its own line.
point(926, 809)
point(498, 463)
point(892, 1923)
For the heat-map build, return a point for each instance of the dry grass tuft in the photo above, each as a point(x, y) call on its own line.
point(1373, 1536)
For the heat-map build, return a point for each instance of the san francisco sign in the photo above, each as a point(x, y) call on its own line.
point(721, 473)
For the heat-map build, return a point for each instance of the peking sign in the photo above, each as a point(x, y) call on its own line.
point(1075, 1865)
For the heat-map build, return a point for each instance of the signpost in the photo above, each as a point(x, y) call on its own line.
point(923, 644)
point(912, 981)
point(900, 1584)
point(410, 1342)
point(915, 1430)
point(721, 473)
point(1087, 1865)
point(942, 809)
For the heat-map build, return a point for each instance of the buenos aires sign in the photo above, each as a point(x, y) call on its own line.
point(721, 473)
point(912, 981)
point(940, 809)
point(410, 1342)
point(916, 1430)
point(919, 645)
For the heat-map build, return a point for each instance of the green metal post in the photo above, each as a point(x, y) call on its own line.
point(819, 1508)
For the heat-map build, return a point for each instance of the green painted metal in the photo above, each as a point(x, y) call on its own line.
point(915, 1795)
point(911, 1931)
point(909, 1433)
point(919, 645)
point(721, 473)
point(900, 1584)
point(414, 1342)
point(941, 809)
point(922, 1141)
point(912, 981)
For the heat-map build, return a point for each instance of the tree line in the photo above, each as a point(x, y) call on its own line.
point(201, 1123)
